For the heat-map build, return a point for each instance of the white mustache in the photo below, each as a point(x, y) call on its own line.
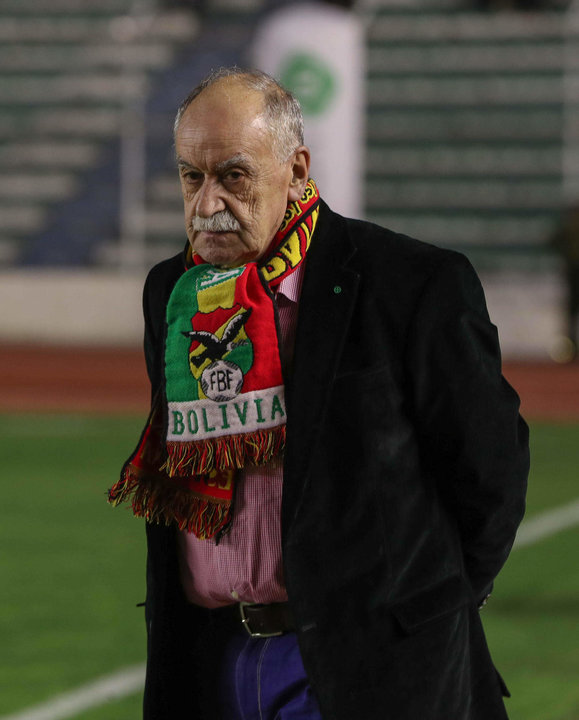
point(222, 221)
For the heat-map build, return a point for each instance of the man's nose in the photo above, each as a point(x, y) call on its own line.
point(209, 200)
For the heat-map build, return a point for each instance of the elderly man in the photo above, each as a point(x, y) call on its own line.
point(334, 469)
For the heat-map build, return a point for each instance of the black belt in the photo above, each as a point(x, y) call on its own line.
point(259, 620)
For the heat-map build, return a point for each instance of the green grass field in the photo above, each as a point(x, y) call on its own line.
point(532, 620)
point(73, 571)
point(73, 568)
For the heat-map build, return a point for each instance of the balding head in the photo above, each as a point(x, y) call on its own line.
point(281, 110)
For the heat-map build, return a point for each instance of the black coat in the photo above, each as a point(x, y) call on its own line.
point(404, 482)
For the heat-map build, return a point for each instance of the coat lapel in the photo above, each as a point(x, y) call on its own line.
point(326, 303)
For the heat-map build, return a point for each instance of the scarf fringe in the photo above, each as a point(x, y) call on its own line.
point(232, 451)
point(163, 502)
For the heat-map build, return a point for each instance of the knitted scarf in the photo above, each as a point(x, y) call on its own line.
point(223, 404)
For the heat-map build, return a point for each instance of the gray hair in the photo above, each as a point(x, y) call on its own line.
point(282, 111)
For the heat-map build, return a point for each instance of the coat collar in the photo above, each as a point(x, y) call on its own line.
point(327, 300)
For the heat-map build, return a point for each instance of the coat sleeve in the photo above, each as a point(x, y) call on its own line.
point(473, 442)
point(173, 651)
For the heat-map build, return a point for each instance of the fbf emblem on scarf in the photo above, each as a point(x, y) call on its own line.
point(222, 380)
point(220, 352)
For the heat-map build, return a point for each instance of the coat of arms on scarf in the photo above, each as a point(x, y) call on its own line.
point(224, 383)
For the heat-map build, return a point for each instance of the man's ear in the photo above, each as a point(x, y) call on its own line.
point(300, 173)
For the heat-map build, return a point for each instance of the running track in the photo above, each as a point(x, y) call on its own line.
point(38, 378)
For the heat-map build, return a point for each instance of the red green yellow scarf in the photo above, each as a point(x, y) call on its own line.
point(224, 405)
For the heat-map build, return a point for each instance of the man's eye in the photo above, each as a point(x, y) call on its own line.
point(234, 175)
point(191, 177)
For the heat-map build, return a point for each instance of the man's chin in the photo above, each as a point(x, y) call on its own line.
point(220, 257)
point(223, 250)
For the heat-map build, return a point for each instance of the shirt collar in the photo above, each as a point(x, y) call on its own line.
point(291, 286)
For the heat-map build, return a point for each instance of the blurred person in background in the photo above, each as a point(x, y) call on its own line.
point(334, 468)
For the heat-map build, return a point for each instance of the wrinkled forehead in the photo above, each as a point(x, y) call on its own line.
point(227, 104)
point(225, 124)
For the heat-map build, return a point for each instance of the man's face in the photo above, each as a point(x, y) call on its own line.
point(227, 166)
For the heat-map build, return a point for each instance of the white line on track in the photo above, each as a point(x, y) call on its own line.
point(130, 680)
point(547, 523)
point(106, 689)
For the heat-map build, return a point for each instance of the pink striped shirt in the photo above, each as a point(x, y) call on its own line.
point(246, 564)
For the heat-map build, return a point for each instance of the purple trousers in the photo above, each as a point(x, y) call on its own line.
point(264, 679)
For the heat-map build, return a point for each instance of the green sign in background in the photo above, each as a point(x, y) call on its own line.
point(312, 81)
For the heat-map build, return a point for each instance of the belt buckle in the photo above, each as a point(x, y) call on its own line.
point(245, 621)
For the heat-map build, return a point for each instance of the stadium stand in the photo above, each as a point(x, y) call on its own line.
point(465, 123)
point(68, 73)
point(465, 119)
